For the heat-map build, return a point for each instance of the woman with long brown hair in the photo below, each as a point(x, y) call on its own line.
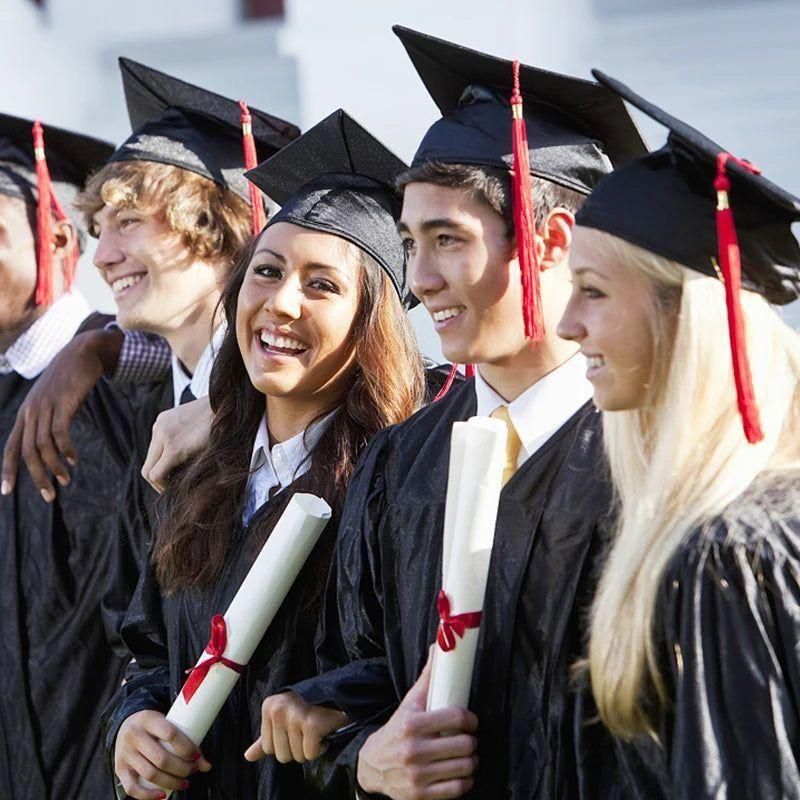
point(319, 356)
point(693, 653)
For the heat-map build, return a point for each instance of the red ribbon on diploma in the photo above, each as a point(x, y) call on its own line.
point(451, 626)
point(215, 648)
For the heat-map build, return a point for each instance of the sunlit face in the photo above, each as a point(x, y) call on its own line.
point(296, 311)
point(460, 268)
point(610, 314)
point(156, 283)
point(17, 264)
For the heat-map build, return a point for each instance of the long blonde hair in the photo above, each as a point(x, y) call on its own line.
point(679, 461)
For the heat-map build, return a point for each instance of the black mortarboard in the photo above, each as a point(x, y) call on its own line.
point(65, 160)
point(183, 125)
point(576, 129)
point(695, 203)
point(338, 178)
point(666, 202)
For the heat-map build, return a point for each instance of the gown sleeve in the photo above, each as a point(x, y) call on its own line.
point(147, 684)
point(731, 625)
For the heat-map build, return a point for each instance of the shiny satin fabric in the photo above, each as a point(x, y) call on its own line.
point(57, 670)
point(381, 599)
point(728, 634)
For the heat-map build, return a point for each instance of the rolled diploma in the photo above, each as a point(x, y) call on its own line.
point(479, 445)
point(252, 610)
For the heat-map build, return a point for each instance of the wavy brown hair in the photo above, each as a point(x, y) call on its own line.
point(201, 510)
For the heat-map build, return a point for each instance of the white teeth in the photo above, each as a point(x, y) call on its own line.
point(284, 342)
point(440, 316)
point(595, 361)
point(123, 283)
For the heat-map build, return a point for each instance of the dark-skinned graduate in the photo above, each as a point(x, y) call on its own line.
point(319, 355)
point(495, 288)
point(57, 670)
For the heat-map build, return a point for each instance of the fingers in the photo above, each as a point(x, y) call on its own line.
point(447, 789)
point(255, 752)
point(149, 772)
point(281, 745)
point(133, 788)
point(11, 454)
point(181, 745)
point(165, 761)
point(417, 696)
point(154, 453)
point(46, 445)
point(30, 453)
point(61, 423)
point(443, 720)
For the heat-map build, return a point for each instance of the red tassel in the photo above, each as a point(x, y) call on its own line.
point(524, 219)
point(469, 372)
point(48, 203)
point(730, 265)
point(44, 229)
point(251, 162)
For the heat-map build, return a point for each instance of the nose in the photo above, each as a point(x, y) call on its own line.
point(571, 326)
point(286, 299)
point(108, 252)
point(424, 277)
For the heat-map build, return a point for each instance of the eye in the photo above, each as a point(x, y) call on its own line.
point(127, 221)
point(591, 293)
point(323, 285)
point(267, 271)
point(446, 240)
point(409, 245)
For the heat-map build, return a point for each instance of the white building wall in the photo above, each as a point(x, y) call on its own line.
point(728, 66)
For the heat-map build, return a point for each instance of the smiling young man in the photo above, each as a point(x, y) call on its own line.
point(171, 210)
point(458, 228)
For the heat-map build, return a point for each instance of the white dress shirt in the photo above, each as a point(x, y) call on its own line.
point(542, 408)
point(279, 465)
point(34, 349)
point(198, 381)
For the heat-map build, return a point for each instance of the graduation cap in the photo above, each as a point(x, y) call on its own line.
point(338, 178)
point(185, 126)
point(695, 203)
point(48, 178)
point(499, 113)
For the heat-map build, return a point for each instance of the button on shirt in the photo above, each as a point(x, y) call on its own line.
point(280, 465)
point(542, 408)
point(34, 349)
point(197, 382)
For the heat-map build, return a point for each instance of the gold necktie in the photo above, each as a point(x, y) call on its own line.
point(513, 443)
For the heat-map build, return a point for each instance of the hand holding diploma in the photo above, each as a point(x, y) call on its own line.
point(236, 634)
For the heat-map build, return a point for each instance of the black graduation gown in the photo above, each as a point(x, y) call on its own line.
point(728, 635)
point(551, 522)
point(138, 499)
point(166, 636)
point(56, 668)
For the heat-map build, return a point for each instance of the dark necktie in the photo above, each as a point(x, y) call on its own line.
point(186, 395)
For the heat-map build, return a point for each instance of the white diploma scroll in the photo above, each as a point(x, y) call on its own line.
point(252, 610)
point(475, 479)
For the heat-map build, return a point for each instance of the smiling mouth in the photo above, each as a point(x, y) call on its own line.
point(282, 345)
point(121, 285)
point(595, 362)
point(447, 313)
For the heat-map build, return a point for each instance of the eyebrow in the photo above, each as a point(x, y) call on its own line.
point(431, 224)
point(277, 256)
point(583, 270)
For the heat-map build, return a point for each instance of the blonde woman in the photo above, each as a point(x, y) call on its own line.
point(694, 647)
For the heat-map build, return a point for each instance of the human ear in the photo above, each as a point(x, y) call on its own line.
point(557, 237)
point(64, 239)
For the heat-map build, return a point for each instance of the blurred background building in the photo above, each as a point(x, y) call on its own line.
point(730, 67)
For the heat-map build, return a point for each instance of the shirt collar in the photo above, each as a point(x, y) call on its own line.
point(542, 408)
point(34, 349)
point(289, 459)
point(198, 382)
